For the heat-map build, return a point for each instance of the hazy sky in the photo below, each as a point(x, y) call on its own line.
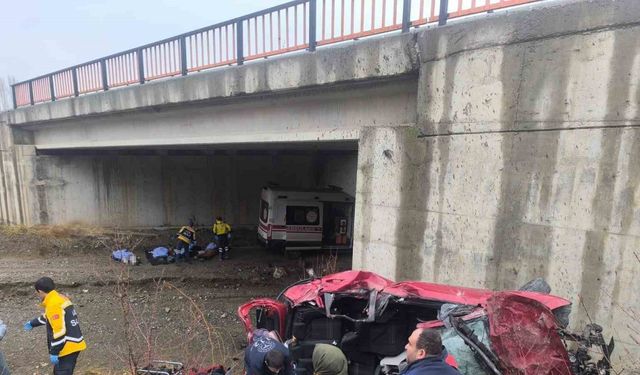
point(41, 36)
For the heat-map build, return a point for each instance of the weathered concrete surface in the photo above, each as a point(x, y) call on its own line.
point(528, 165)
point(18, 194)
point(378, 58)
point(167, 189)
point(326, 115)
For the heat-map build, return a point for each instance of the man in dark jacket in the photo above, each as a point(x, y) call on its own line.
point(266, 356)
point(426, 355)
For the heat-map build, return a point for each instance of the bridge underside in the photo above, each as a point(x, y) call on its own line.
point(143, 187)
point(159, 167)
point(330, 114)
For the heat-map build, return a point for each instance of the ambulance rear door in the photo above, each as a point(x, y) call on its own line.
point(304, 225)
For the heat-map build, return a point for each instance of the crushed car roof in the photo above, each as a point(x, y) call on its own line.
point(361, 281)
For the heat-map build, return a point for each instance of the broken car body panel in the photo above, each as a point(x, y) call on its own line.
point(359, 281)
point(370, 317)
point(524, 335)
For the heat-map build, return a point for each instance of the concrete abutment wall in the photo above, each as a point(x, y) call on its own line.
point(167, 189)
point(528, 163)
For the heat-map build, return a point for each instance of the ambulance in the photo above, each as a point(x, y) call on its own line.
point(306, 219)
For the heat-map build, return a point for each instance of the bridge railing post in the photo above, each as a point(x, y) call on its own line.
point(15, 101)
point(74, 76)
point(444, 12)
point(140, 55)
point(31, 92)
point(239, 43)
point(103, 68)
point(406, 16)
point(184, 69)
point(312, 25)
point(51, 89)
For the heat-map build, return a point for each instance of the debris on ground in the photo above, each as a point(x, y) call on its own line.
point(279, 272)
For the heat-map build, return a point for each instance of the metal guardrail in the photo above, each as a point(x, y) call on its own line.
point(293, 26)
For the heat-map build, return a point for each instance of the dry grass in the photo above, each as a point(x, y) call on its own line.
point(326, 264)
point(55, 231)
point(51, 240)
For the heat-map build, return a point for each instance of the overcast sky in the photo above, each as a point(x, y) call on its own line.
point(41, 36)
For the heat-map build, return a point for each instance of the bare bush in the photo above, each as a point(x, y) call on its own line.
point(153, 327)
point(322, 265)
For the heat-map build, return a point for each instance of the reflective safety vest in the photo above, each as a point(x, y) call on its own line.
point(186, 234)
point(63, 327)
point(221, 228)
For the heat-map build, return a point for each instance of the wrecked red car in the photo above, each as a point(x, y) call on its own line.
point(370, 319)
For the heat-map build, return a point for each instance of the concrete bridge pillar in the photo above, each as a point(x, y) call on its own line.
point(391, 195)
point(19, 188)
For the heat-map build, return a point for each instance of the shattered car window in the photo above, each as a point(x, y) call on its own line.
point(467, 362)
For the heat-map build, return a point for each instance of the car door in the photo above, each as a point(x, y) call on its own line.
point(263, 313)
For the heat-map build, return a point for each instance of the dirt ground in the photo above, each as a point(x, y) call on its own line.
point(184, 312)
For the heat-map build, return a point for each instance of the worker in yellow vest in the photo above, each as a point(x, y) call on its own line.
point(222, 233)
point(186, 239)
point(64, 337)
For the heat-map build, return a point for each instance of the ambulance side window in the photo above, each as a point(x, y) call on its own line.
point(264, 210)
point(303, 215)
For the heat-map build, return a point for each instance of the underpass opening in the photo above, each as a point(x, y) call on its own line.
point(165, 187)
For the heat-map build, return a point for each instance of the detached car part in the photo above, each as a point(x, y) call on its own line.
point(581, 361)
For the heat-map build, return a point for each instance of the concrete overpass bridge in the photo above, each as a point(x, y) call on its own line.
point(485, 152)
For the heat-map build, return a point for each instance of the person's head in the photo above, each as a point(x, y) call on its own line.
point(219, 218)
point(44, 285)
point(423, 343)
point(190, 222)
point(329, 360)
point(274, 360)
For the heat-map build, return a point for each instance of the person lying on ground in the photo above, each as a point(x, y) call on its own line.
point(209, 252)
point(159, 255)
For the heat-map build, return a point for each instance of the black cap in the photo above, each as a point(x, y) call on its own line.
point(45, 284)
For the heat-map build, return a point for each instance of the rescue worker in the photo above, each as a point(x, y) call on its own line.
point(186, 239)
point(64, 337)
point(267, 356)
point(4, 369)
point(426, 355)
point(329, 360)
point(222, 232)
